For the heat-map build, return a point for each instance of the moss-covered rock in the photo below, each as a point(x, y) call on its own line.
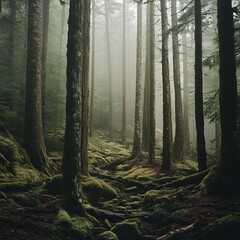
point(127, 230)
point(80, 227)
point(160, 215)
point(96, 188)
point(227, 227)
point(108, 235)
point(179, 216)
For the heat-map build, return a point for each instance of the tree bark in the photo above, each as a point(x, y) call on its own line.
point(124, 111)
point(167, 115)
point(228, 91)
point(178, 145)
point(33, 131)
point(199, 116)
point(92, 70)
point(46, 4)
point(152, 123)
point(109, 62)
point(146, 102)
point(185, 95)
point(136, 151)
point(76, 58)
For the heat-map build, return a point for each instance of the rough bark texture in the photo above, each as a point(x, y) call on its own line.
point(217, 137)
point(178, 145)
point(228, 91)
point(109, 63)
point(46, 4)
point(71, 165)
point(92, 70)
point(167, 118)
point(85, 86)
point(11, 53)
point(33, 132)
point(185, 95)
point(152, 123)
point(124, 89)
point(136, 151)
point(199, 117)
point(146, 102)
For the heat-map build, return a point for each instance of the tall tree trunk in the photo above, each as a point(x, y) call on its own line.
point(33, 131)
point(146, 103)
point(136, 151)
point(124, 116)
point(76, 58)
point(167, 115)
point(185, 95)
point(85, 86)
point(199, 117)
point(152, 123)
point(228, 92)
point(46, 4)
point(92, 70)
point(11, 54)
point(217, 137)
point(109, 62)
point(178, 145)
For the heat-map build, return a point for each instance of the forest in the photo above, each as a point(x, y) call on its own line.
point(120, 119)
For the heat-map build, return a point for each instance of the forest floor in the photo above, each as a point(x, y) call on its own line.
point(128, 200)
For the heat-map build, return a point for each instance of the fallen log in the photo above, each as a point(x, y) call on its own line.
point(112, 165)
point(195, 178)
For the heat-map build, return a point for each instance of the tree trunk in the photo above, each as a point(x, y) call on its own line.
point(11, 52)
point(217, 137)
point(33, 131)
point(76, 58)
point(178, 146)
point(136, 151)
point(152, 123)
point(167, 115)
point(185, 94)
point(124, 116)
point(199, 117)
point(109, 62)
point(92, 70)
point(46, 4)
point(228, 91)
point(85, 86)
point(146, 103)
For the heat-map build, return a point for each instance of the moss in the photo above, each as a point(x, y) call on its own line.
point(137, 173)
point(154, 197)
point(45, 198)
point(179, 216)
point(3, 196)
point(227, 227)
point(27, 200)
point(160, 215)
point(74, 226)
point(108, 235)
point(131, 189)
point(127, 230)
point(134, 204)
point(96, 188)
point(54, 184)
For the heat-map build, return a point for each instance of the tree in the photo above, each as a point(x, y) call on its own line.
point(167, 115)
point(124, 116)
point(46, 4)
point(185, 94)
point(77, 56)
point(146, 102)
point(136, 151)
point(92, 70)
point(33, 131)
point(228, 93)
point(199, 116)
point(110, 117)
point(178, 146)
point(152, 123)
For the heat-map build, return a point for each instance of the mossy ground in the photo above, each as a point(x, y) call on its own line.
point(33, 210)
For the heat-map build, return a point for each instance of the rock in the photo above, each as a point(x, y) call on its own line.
point(108, 235)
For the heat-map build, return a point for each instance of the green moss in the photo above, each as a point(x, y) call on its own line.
point(160, 215)
point(74, 226)
point(179, 215)
point(96, 188)
point(227, 227)
point(108, 235)
point(139, 173)
point(127, 230)
point(154, 197)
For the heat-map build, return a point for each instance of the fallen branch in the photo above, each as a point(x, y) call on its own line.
point(195, 178)
point(112, 165)
point(178, 231)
